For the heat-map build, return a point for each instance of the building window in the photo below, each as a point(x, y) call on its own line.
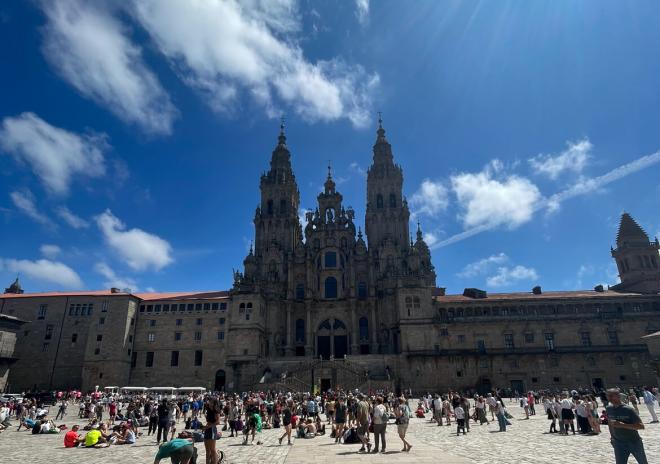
point(104, 306)
point(444, 331)
point(221, 335)
point(152, 322)
point(177, 336)
point(74, 338)
point(149, 361)
point(392, 200)
point(198, 306)
point(223, 306)
point(151, 337)
point(549, 341)
point(90, 307)
point(174, 359)
point(481, 346)
point(483, 363)
point(556, 379)
point(41, 314)
point(191, 306)
point(179, 322)
point(49, 332)
point(379, 201)
point(613, 337)
point(330, 287)
point(364, 328)
point(529, 337)
point(362, 290)
point(221, 321)
point(130, 339)
point(331, 259)
point(157, 308)
point(134, 359)
point(141, 308)
point(585, 338)
point(214, 306)
point(198, 357)
point(300, 330)
point(99, 338)
point(101, 320)
point(300, 292)
point(45, 346)
point(199, 321)
point(198, 336)
point(150, 308)
point(97, 351)
point(207, 306)
point(461, 339)
point(508, 342)
point(535, 380)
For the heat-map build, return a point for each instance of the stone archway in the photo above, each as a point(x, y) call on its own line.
point(332, 339)
point(220, 379)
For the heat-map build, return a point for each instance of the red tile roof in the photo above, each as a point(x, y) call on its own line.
point(79, 293)
point(183, 295)
point(530, 296)
point(143, 296)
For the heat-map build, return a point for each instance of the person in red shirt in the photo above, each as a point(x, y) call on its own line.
point(72, 438)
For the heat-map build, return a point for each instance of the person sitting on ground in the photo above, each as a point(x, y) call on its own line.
point(72, 438)
point(179, 450)
point(320, 427)
point(310, 428)
point(95, 439)
point(126, 436)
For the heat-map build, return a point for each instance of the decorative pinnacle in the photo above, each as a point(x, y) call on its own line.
point(329, 169)
point(380, 120)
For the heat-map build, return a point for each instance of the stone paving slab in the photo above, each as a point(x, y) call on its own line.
point(525, 441)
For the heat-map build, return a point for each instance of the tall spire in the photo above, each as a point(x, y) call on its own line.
point(630, 233)
point(15, 287)
point(282, 138)
point(380, 132)
point(329, 183)
point(420, 236)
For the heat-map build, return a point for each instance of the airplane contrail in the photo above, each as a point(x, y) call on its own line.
point(583, 187)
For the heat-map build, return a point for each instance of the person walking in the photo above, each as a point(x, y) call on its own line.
point(340, 418)
point(624, 423)
point(163, 412)
point(649, 399)
point(212, 417)
point(362, 419)
point(501, 417)
point(286, 422)
point(459, 413)
point(402, 413)
point(380, 425)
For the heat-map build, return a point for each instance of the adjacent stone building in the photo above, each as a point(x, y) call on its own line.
point(325, 305)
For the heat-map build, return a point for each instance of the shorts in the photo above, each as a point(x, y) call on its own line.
point(183, 454)
point(567, 414)
point(211, 433)
point(402, 429)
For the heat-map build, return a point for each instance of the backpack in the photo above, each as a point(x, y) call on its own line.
point(351, 437)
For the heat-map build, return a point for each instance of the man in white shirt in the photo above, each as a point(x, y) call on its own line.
point(459, 413)
point(437, 409)
point(649, 398)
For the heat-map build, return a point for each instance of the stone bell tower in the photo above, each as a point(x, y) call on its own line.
point(636, 258)
point(387, 213)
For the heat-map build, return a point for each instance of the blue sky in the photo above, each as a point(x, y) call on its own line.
point(133, 134)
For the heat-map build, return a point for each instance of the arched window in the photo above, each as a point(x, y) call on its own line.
point(270, 207)
point(379, 201)
point(241, 308)
point(300, 330)
point(330, 287)
point(248, 311)
point(331, 259)
point(282, 206)
point(300, 291)
point(364, 328)
point(362, 290)
point(392, 200)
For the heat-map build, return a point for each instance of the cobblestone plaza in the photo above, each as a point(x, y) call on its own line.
point(526, 441)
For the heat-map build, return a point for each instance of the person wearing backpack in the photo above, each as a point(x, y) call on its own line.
point(380, 424)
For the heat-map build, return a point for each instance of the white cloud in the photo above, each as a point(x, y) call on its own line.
point(91, 50)
point(490, 198)
point(113, 280)
point(44, 270)
point(583, 271)
point(227, 48)
point(483, 265)
point(430, 238)
point(574, 158)
point(508, 275)
point(54, 154)
point(70, 218)
point(430, 199)
point(24, 201)
point(362, 11)
point(355, 167)
point(139, 249)
point(50, 251)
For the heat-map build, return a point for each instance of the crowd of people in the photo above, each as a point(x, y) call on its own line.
point(344, 416)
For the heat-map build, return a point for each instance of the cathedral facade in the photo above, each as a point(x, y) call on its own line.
point(326, 306)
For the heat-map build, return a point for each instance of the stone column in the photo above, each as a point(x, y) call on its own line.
point(288, 349)
point(355, 348)
point(374, 328)
point(309, 336)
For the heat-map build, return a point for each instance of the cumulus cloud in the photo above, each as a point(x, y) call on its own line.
point(113, 280)
point(362, 11)
point(54, 154)
point(50, 251)
point(226, 49)
point(44, 270)
point(483, 265)
point(491, 198)
point(573, 159)
point(356, 168)
point(430, 199)
point(70, 218)
point(92, 51)
point(25, 203)
point(137, 248)
point(508, 275)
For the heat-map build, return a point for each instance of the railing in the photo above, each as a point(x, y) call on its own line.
point(531, 350)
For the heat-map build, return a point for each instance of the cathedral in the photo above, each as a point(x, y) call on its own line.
point(328, 306)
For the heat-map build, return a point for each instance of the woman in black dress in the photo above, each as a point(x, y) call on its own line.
point(287, 412)
point(212, 416)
